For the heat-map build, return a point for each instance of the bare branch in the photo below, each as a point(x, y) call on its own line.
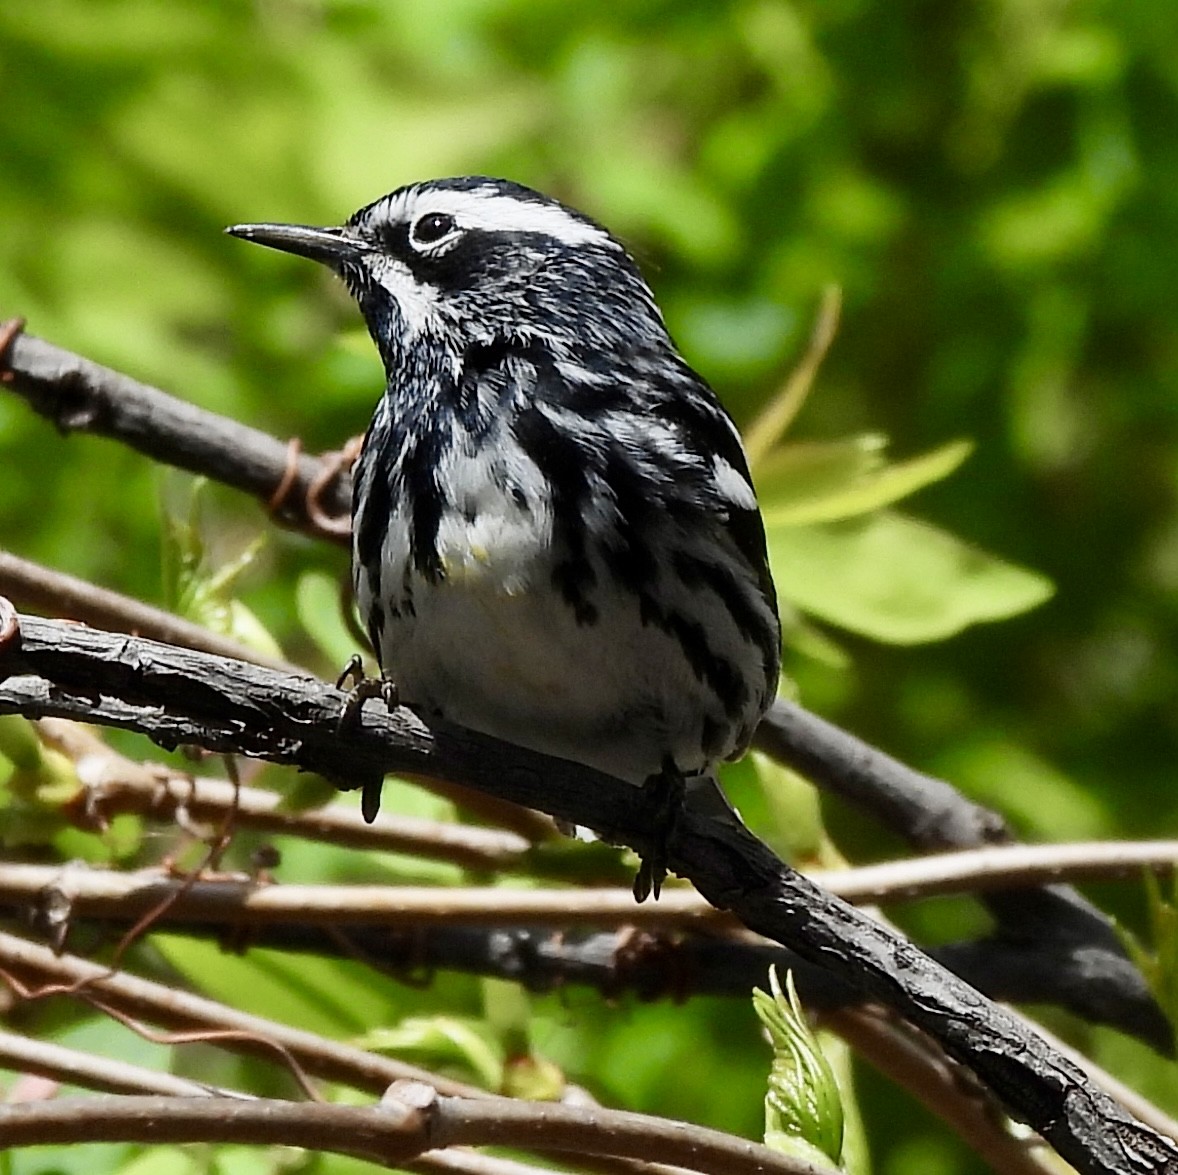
point(388, 1138)
point(653, 963)
point(1004, 867)
point(74, 1067)
point(244, 900)
point(594, 1130)
point(76, 394)
point(47, 973)
point(30, 585)
point(177, 696)
point(390, 1133)
point(115, 784)
point(23, 1055)
point(928, 812)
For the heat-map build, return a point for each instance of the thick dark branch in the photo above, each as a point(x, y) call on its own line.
point(176, 697)
point(929, 813)
point(650, 963)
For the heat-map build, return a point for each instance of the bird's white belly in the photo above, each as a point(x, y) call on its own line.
point(613, 694)
point(494, 645)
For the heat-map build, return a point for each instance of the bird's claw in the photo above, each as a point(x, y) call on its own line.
point(667, 787)
point(363, 688)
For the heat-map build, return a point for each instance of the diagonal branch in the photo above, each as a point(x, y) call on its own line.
point(176, 696)
point(929, 813)
point(77, 394)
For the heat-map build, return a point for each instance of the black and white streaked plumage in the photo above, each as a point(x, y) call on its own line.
point(555, 536)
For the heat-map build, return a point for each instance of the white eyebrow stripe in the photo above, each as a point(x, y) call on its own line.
point(492, 211)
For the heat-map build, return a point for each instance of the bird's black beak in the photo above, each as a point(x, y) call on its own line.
point(330, 246)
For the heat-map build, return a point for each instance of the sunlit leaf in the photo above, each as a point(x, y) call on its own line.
point(333, 997)
point(896, 579)
point(803, 1105)
point(824, 481)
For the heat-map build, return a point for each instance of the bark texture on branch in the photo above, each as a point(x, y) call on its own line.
point(77, 394)
point(176, 696)
point(930, 814)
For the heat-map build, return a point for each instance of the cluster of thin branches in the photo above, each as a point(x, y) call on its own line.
point(908, 1013)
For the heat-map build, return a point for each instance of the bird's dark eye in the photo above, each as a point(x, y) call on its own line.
point(433, 226)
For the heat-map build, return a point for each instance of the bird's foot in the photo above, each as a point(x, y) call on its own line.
point(667, 789)
point(363, 688)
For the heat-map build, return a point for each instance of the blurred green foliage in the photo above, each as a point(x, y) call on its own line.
point(995, 187)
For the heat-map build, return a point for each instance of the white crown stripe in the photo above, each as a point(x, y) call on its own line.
point(492, 211)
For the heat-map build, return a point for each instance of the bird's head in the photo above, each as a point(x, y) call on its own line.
point(455, 262)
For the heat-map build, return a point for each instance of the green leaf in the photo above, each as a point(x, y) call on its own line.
point(897, 579)
point(798, 833)
point(823, 483)
point(165, 1160)
point(437, 1040)
point(200, 592)
point(332, 997)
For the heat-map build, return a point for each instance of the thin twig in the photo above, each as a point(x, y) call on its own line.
point(1002, 867)
point(590, 1129)
point(115, 784)
point(43, 974)
point(390, 1133)
point(177, 696)
point(33, 586)
point(55, 1062)
point(47, 973)
point(20, 1054)
point(242, 899)
point(653, 964)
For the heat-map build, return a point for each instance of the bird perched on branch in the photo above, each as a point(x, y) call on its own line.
point(555, 536)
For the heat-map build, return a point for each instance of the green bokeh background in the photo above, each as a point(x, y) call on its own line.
point(993, 184)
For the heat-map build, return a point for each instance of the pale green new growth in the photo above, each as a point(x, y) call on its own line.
point(803, 1105)
point(204, 593)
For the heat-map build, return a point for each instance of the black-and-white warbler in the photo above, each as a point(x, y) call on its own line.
point(555, 536)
